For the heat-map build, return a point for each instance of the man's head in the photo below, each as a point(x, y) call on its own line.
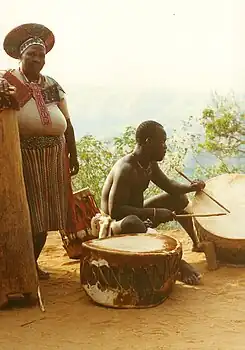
point(151, 137)
point(33, 58)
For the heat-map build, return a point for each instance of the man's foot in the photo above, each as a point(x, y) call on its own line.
point(42, 275)
point(198, 248)
point(188, 274)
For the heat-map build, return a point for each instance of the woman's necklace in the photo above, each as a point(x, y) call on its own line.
point(37, 81)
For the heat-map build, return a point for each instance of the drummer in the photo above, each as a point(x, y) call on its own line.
point(123, 191)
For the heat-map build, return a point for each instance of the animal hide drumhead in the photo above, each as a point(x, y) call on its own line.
point(135, 243)
point(229, 190)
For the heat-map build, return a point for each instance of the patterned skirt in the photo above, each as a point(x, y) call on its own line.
point(43, 160)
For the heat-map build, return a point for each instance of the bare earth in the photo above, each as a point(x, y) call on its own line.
point(210, 316)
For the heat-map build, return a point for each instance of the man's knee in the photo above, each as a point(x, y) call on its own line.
point(181, 202)
point(132, 224)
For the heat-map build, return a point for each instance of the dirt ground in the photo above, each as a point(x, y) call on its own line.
point(210, 316)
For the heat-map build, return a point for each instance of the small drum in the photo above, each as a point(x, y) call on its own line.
point(130, 271)
point(85, 209)
point(226, 232)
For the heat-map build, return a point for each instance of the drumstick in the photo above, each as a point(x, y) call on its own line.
point(198, 215)
point(213, 199)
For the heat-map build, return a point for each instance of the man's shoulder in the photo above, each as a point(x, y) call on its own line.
point(127, 161)
point(124, 165)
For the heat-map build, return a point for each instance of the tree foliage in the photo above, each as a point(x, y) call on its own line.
point(96, 160)
point(224, 136)
point(97, 157)
point(224, 126)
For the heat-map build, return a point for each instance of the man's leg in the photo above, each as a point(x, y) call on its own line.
point(129, 224)
point(39, 240)
point(188, 274)
point(177, 204)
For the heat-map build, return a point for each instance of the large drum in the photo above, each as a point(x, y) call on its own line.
point(130, 271)
point(226, 232)
point(85, 209)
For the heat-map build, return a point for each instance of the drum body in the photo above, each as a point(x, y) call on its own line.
point(130, 271)
point(85, 209)
point(226, 232)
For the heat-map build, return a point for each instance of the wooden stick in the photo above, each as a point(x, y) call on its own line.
point(198, 215)
point(40, 299)
point(213, 199)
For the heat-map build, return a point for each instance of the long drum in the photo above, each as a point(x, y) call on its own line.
point(130, 271)
point(17, 263)
point(226, 232)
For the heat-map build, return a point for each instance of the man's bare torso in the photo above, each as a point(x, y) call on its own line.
point(138, 181)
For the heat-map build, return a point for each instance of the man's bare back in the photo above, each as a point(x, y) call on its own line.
point(137, 182)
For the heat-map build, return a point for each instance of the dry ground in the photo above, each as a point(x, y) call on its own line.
point(210, 316)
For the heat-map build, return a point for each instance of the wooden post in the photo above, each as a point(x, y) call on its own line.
point(17, 263)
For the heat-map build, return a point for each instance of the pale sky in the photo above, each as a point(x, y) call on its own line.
point(188, 45)
point(191, 44)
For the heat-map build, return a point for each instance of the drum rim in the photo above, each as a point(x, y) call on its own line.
point(211, 232)
point(129, 253)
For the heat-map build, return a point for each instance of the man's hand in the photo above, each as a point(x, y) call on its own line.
point(197, 185)
point(74, 165)
point(163, 215)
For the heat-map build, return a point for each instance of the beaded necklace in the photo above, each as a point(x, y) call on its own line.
point(38, 81)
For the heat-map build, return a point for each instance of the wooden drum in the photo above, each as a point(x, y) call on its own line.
point(85, 209)
point(130, 271)
point(226, 232)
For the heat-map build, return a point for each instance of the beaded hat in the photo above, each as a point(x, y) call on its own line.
point(21, 37)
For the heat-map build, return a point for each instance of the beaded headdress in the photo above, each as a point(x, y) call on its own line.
point(20, 38)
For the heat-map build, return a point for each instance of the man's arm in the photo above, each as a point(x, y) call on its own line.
point(171, 186)
point(120, 193)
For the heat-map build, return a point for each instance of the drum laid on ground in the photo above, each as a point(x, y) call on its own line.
point(130, 271)
point(226, 232)
point(86, 209)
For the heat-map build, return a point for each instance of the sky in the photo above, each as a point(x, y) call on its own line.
point(133, 45)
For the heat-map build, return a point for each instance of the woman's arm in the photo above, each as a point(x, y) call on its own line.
point(70, 138)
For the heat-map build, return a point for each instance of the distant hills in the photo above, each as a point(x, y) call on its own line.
point(105, 112)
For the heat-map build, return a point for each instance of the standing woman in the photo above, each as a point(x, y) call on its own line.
point(45, 128)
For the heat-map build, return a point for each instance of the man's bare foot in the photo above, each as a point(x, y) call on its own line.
point(188, 274)
point(42, 275)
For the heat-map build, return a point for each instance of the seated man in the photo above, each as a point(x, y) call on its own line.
point(123, 191)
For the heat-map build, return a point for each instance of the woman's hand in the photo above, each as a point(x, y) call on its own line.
point(74, 165)
point(6, 88)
